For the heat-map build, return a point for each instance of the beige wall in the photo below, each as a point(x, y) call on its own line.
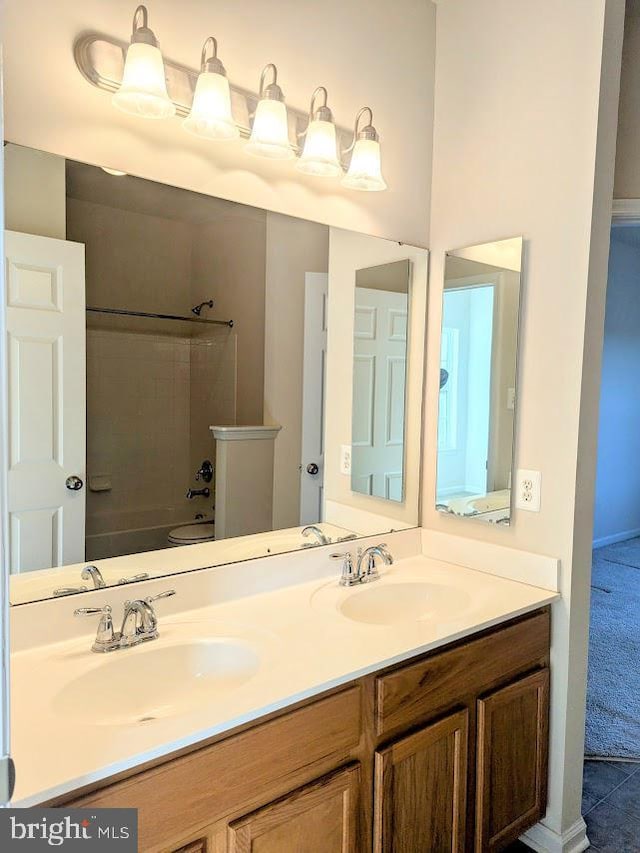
point(349, 252)
point(133, 260)
point(293, 248)
point(627, 180)
point(365, 52)
point(34, 192)
point(228, 264)
point(515, 149)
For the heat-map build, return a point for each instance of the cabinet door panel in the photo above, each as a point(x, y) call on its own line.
point(318, 818)
point(513, 734)
point(420, 790)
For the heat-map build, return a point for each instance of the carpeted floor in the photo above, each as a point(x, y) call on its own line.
point(613, 692)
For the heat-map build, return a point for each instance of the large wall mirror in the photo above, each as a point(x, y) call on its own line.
point(478, 372)
point(176, 377)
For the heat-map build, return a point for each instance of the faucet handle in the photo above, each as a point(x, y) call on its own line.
point(349, 576)
point(106, 639)
point(141, 577)
point(166, 594)
point(89, 611)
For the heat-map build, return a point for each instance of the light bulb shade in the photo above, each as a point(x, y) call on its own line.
point(270, 131)
point(210, 115)
point(364, 170)
point(143, 91)
point(320, 152)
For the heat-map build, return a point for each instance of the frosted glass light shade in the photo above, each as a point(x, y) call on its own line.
point(210, 115)
point(143, 91)
point(270, 132)
point(320, 152)
point(364, 170)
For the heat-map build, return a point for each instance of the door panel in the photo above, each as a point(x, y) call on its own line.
point(319, 818)
point(46, 397)
point(379, 381)
point(420, 790)
point(511, 791)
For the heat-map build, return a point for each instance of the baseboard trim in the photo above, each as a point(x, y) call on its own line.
point(544, 840)
point(616, 537)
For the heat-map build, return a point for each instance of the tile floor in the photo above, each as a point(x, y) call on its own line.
point(611, 807)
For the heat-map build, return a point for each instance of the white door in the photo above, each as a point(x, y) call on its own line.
point(379, 379)
point(45, 301)
point(313, 391)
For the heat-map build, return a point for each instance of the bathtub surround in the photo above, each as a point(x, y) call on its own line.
point(150, 400)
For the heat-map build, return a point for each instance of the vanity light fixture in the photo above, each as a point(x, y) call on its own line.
point(320, 153)
point(143, 91)
point(270, 131)
point(364, 171)
point(210, 115)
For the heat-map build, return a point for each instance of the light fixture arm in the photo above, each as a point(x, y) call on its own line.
point(270, 92)
point(367, 132)
point(321, 113)
point(211, 64)
point(141, 34)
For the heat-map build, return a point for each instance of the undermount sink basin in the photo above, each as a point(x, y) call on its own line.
point(390, 602)
point(150, 681)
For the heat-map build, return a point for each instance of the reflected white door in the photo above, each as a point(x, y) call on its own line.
point(45, 293)
point(379, 378)
point(313, 393)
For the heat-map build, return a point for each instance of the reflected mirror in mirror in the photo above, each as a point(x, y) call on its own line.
point(381, 322)
point(173, 379)
point(478, 372)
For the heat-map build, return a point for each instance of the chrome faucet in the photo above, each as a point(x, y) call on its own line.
point(139, 623)
point(365, 569)
point(88, 573)
point(322, 537)
point(93, 573)
point(366, 565)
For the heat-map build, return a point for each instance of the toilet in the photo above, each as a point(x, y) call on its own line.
point(192, 534)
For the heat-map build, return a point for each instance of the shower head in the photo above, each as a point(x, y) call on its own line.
point(197, 309)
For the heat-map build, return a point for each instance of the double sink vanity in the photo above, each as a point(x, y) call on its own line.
point(274, 708)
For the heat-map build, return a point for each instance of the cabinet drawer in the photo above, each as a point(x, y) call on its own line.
point(251, 767)
point(413, 693)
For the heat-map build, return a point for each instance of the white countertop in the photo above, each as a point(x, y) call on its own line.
point(305, 646)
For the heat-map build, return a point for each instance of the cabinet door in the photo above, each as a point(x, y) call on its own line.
point(318, 818)
point(513, 735)
point(421, 790)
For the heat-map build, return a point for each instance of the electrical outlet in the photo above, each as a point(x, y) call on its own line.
point(345, 459)
point(528, 487)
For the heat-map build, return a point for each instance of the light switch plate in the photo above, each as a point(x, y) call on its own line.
point(345, 459)
point(528, 488)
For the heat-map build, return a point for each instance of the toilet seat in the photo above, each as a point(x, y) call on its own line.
point(190, 534)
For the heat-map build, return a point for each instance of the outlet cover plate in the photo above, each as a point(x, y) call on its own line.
point(528, 488)
point(345, 459)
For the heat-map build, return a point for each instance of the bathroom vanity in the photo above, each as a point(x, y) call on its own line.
point(444, 752)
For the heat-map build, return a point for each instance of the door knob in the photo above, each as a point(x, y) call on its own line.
point(312, 468)
point(74, 483)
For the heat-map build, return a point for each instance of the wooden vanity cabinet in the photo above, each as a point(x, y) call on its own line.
point(443, 754)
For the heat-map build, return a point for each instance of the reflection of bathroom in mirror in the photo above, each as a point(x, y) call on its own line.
point(379, 374)
point(478, 373)
point(171, 381)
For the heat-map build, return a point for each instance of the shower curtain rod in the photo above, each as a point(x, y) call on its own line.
point(124, 313)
